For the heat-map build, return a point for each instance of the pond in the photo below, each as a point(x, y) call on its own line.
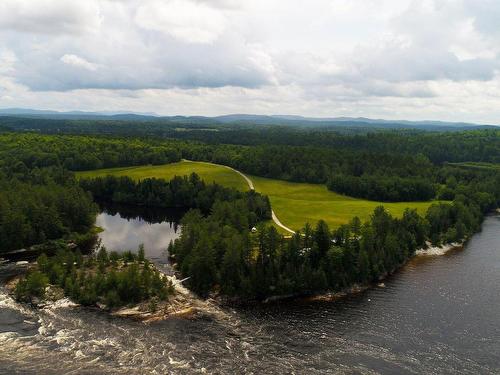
point(125, 228)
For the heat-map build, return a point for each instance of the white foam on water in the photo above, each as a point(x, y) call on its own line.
point(177, 364)
point(61, 304)
point(438, 250)
point(63, 336)
point(7, 301)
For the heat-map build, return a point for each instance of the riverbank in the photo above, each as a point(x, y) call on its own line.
point(182, 305)
point(356, 289)
point(439, 250)
point(179, 303)
point(326, 296)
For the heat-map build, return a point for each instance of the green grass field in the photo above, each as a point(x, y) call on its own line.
point(298, 203)
point(208, 172)
point(294, 203)
point(477, 165)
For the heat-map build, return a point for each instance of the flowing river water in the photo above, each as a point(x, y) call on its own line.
point(438, 314)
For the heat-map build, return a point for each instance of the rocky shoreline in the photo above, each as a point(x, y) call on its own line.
point(439, 250)
point(185, 305)
point(182, 304)
point(429, 250)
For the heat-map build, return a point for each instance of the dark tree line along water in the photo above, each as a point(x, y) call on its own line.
point(218, 251)
point(180, 192)
point(219, 254)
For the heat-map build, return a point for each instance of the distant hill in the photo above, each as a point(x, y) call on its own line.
point(76, 115)
point(247, 119)
point(344, 121)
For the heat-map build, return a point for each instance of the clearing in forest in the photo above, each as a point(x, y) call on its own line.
point(207, 172)
point(294, 203)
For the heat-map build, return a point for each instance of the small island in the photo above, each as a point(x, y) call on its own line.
point(124, 284)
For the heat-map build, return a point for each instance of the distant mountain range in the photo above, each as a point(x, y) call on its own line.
point(42, 112)
point(261, 119)
point(248, 119)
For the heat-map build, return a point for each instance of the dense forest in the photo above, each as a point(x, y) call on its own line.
point(180, 192)
point(220, 256)
point(80, 153)
point(40, 205)
point(384, 166)
point(40, 200)
point(383, 188)
point(439, 146)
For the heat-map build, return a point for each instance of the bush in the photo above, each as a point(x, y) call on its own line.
point(33, 285)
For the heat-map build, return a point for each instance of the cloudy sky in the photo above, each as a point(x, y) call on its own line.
point(435, 59)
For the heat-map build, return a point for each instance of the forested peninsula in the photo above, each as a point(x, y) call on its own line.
point(228, 247)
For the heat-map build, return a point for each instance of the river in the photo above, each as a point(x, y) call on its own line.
point(438, 314)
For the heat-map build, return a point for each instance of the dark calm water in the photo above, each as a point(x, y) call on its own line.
point(126, 228)
point(439, 315)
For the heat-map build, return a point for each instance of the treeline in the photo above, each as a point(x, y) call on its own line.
point(382, 188)
point(375, 176)
point(112, 279)
point(382, 175)
point(24, 152)
point(312, 164)
point(452, 146)
point(35, 206)
point(81, 152)
point(219, 256)
point(182, 192)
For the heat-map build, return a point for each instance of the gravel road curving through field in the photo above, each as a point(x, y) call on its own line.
point(251, 186)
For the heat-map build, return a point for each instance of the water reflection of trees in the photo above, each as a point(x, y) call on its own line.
point(151, 215)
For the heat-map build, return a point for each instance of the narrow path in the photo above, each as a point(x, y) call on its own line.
point(249, 182)
point(250, 185)
point(278, 222)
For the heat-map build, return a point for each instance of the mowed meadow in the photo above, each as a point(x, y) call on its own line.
point(294, 203)
point(298, 203)
point(207, 172)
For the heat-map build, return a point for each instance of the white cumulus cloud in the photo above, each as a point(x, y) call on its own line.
point(78, 62)
point(189, 21)
point(435, 59)
point(49, 16)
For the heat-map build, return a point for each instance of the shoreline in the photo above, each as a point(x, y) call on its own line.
point(324, 296)
point(184, 304)
point(440, 250)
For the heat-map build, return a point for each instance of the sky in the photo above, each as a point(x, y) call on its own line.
point(392, 59)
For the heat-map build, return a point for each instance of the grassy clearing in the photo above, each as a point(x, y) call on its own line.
point(298, 203)
point(477, 165)
point(294, 203)
point(208, 172)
